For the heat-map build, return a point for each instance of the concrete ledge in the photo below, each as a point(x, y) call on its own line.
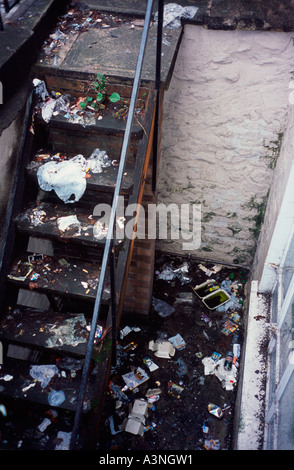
point(22, 38)
point(217, 14)
point(252, 391)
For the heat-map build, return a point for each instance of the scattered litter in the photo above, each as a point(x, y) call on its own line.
point(150, 364)
point(216, 356)
point(212, 444)
point(173, 13)
point(161, 348)
point(37, 216)
point(44, 425)
point(223, 369)
point(215, 269)
point(139, 410)
point(56, 397)
point(63, 440)
point(69, 222)
point(205, 428)
point(25, 389)
point(162, 308)
point(127, 329)
point(7, 378)
point(24, 269)
point(40, 89)
point(229, 327)
point(98, 160)
point(206, 288)
point(169, 274)
point(67, 178)
point(69, 332)
point(178, 342)
point(182, 367)
point(43, 373)
point(175, 390)
point(135, 378)
point(215, 410)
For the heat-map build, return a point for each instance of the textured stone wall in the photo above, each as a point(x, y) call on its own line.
point(225, 114)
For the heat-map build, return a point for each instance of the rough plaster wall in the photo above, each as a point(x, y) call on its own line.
point(280, 180)
point(224, 116)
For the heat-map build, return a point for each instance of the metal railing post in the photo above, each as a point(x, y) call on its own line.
point(113, 303)
point(158, 96)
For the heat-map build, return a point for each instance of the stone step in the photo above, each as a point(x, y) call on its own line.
point(99, 182)
point(16, 382)
point(36, 328)
point(105, 44)
point(58, 276)
point(63, 223)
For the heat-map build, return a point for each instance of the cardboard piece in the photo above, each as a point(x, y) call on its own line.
point(162, 348)
point(137, 418)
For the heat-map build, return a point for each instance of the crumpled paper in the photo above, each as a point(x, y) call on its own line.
point(228, 378)
point(173, 13)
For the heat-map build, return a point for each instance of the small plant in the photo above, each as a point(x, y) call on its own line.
point(99, 89)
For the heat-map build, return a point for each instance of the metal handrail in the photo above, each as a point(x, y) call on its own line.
point(110, 234)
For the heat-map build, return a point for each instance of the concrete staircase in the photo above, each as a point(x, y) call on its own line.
point(63, 265)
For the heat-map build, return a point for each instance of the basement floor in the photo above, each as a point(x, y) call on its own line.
point(175, 421)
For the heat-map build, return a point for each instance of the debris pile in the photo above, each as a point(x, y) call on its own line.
point(181, 369)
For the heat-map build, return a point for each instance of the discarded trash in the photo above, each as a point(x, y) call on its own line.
point(228, 360)
point(127, 329)
point(56, 397)
point(68, 332)
point(231, 303)
point(178, 342)
point(229, 327)
point(175, 390)
point(205, 428)
point(215, 410)
point(236, 352)
point(212, 444)
point(206, 288)
point(137, 418)
point(150, 364)
point(7, 377)
point(44, 425)
point(161, 348)
point(23, 270)
point(169, 274)
point(162, 308)
point(67, 178)
point(215, 269)
point(216, 299)
point(182, 367)
point(223, 369)
point(173, 13)
point(63, 440)
point(40, 89)
point(135, 378)
point(36, 217)
point(98, 160)
point(43, 373)
point(216, 356)
point(69, 222)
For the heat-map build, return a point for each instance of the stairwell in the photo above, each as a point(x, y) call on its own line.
point(45, 349)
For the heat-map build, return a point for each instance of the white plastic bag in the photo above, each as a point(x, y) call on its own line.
point(173, 13)
point(67, 178)
point(98, 160)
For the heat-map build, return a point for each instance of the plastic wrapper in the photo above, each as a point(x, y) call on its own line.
point(66, 178)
